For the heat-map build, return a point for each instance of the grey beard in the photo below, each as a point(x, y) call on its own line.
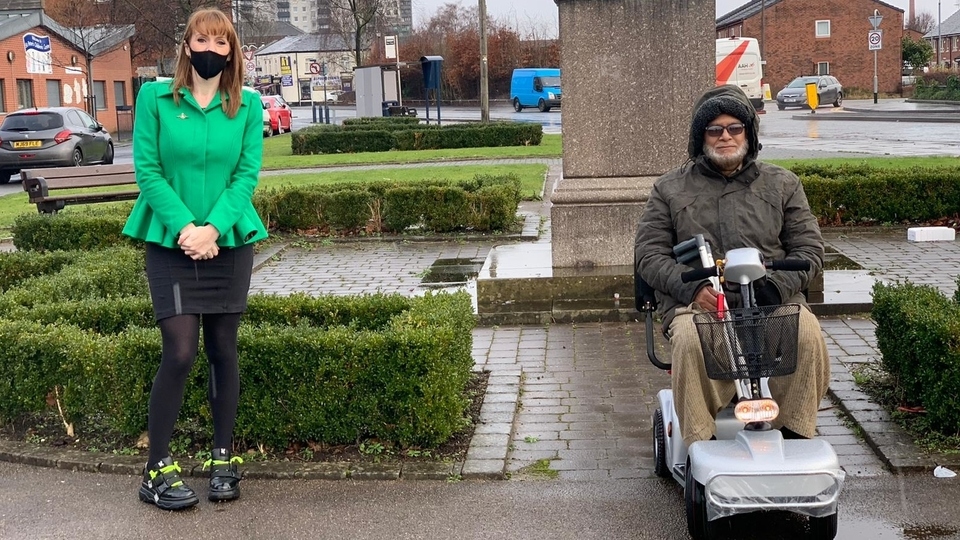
point(726, 161)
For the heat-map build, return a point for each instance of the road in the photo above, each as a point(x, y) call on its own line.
point(881, 508)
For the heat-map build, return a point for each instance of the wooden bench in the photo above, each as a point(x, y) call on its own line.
point(40, 182)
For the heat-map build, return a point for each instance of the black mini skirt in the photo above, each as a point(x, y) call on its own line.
point(180, 285)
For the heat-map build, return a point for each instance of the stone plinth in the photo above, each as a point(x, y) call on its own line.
point(632, 71)
point(594, 220)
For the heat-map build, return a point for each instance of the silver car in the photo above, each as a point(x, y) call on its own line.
point(829, 91)
point(51, 137)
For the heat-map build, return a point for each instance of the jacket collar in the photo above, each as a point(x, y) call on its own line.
point(167, 90)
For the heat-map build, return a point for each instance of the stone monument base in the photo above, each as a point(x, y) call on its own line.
point(594, 220)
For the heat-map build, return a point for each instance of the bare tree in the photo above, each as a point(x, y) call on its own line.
point(160, 25)
point(923, 23)
point(257, 21)
point(356, 22)
point(83, 20)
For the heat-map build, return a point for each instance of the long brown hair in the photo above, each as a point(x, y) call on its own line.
point(213, 23)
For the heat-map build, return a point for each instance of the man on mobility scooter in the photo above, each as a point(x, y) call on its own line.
point(727, 199)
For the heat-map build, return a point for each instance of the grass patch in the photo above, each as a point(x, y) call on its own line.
point(882, 388)
point(277, 154)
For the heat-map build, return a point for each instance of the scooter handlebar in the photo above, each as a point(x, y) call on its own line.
point(698, 274)
point(790, 265)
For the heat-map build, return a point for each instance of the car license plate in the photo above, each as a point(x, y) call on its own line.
point(27, 144)
point(789, 100)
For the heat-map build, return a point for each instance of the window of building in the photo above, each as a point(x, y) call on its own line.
point(120, 93)
point(823, 68)
point(24, 93)
point(823, 28)
point(53, 93)
point(3, 95)
point(100, 93)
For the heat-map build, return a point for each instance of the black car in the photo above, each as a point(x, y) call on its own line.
point(829, 90)
point(51, 137)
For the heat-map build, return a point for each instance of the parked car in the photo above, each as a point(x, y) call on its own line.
point(267, 125)
point(51, 137)
point(280, 116)
point(829, 90)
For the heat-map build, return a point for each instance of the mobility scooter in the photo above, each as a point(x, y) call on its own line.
point(750, 467)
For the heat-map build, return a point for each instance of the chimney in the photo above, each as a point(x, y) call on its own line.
point(912, 12)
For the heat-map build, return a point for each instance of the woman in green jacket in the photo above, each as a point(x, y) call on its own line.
point(197, 148)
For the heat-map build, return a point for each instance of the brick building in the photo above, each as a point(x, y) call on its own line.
point(805, 37)
point(945, 40)
point(44, 64)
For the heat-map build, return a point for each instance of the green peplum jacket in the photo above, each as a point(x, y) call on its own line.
point(195, 165)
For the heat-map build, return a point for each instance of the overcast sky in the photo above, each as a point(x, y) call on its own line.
point(542, 14)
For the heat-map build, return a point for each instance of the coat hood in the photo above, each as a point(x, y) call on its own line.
point(726, 99)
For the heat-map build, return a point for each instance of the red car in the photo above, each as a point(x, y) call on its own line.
point(280, 116)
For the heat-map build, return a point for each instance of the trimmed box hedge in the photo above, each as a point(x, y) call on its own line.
point(918, 333)
point(328, 369)
point(385, 136)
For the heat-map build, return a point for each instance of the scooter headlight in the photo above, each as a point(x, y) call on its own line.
point(756, 410)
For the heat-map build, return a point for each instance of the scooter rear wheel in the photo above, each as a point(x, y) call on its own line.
point(824, 528)
point(696, 502)
point(660, 467)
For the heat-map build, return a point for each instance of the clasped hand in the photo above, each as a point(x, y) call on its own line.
point(199, 243)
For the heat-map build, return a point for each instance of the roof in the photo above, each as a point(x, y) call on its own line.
point(306, 43)
point(271, 28)
point(753, 7)
point(948, 27)
point(92, 39)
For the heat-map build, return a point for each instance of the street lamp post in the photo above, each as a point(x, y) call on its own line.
point(484, 82)
point(939, 35)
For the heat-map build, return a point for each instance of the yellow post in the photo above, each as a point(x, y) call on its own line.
point(813, 99)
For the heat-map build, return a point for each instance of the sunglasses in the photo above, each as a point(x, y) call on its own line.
point(717, 131)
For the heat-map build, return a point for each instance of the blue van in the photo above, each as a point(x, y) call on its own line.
point(535, 87)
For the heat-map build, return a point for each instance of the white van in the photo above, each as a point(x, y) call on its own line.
point(738, 62)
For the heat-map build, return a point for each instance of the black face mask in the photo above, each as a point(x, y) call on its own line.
point(207, 63)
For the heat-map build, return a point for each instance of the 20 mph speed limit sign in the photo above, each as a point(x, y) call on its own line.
point(875, 40)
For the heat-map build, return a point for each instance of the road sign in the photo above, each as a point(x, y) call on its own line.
point(875, 40)
point(315, 68)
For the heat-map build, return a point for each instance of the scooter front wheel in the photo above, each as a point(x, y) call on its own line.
point(824, 528)
point(696, 502)
point(660, 467)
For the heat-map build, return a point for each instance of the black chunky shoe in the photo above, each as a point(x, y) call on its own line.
point(224, 477)
point(163, 487)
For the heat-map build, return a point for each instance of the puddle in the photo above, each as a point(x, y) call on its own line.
point(447, 272)
point(927, 532)
point(832, 260)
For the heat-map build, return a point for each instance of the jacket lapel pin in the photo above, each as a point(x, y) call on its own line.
point(182, 116)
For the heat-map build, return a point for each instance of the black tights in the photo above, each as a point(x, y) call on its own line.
point(181, 336)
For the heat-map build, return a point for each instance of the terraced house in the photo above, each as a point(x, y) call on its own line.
point(44, 63)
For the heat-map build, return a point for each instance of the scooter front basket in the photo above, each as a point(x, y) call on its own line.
point(749, 343)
